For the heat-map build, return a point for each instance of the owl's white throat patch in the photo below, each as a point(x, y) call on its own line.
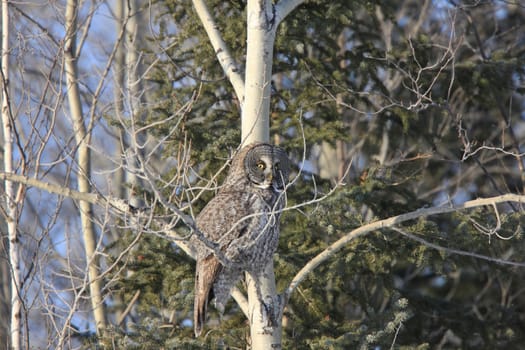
point(265, 185)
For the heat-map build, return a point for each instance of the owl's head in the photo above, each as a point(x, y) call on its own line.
point(267, 166)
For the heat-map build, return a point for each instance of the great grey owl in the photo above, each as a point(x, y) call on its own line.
point(242, 221)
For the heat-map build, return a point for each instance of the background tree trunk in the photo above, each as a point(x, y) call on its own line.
point(11, 206)
point(134, 141)
point(5, 271)
point(83, 137)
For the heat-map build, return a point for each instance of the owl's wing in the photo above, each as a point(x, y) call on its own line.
point(226, 217)
point(220, 221)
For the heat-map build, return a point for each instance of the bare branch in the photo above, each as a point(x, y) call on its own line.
point(241, 301)
point(222, 50)
point(468, 152)
point(457, 251)
point(120, 206)
point(284, 7)
point(128, 308)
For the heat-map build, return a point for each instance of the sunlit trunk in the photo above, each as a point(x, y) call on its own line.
point(11, 206)
point(82, 137)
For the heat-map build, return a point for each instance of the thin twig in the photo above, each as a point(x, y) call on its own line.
point(456, 251)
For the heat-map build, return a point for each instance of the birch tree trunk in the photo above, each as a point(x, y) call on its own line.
point(83, 137)
point(261, 27)
point(263, 17)
point(5, 285)
point(119, 74)
point(10, 192)
point(134, 140)
point(256, 128)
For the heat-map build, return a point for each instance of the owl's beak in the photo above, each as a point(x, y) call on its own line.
point(278, 186)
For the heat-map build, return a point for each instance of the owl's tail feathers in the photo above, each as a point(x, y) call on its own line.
point(199, 316)
point(205, 276)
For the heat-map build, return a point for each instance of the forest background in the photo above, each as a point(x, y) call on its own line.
point(405, 122)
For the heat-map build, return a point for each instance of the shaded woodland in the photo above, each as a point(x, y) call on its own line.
point(405, 123)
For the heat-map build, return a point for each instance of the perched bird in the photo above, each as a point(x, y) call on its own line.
point(242, 221)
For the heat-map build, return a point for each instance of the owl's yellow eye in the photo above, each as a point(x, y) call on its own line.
point(261, 165)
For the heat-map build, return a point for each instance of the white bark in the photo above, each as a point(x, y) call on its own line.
point(222, 50)
point(261, 27)
point(10, 191)
point(263, 17)
point(134, 140)
point(256, 127)
point(83, 137)
point(265, 315)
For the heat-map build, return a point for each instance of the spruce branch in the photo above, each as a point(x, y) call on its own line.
point(391, 223)
point(456, 251)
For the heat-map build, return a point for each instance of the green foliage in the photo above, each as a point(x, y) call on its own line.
point(335, 82)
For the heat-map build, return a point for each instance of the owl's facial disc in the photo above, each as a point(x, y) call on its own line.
point(267, 167)
point(263, 176)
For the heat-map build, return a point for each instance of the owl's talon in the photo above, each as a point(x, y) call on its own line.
point(219, 307)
